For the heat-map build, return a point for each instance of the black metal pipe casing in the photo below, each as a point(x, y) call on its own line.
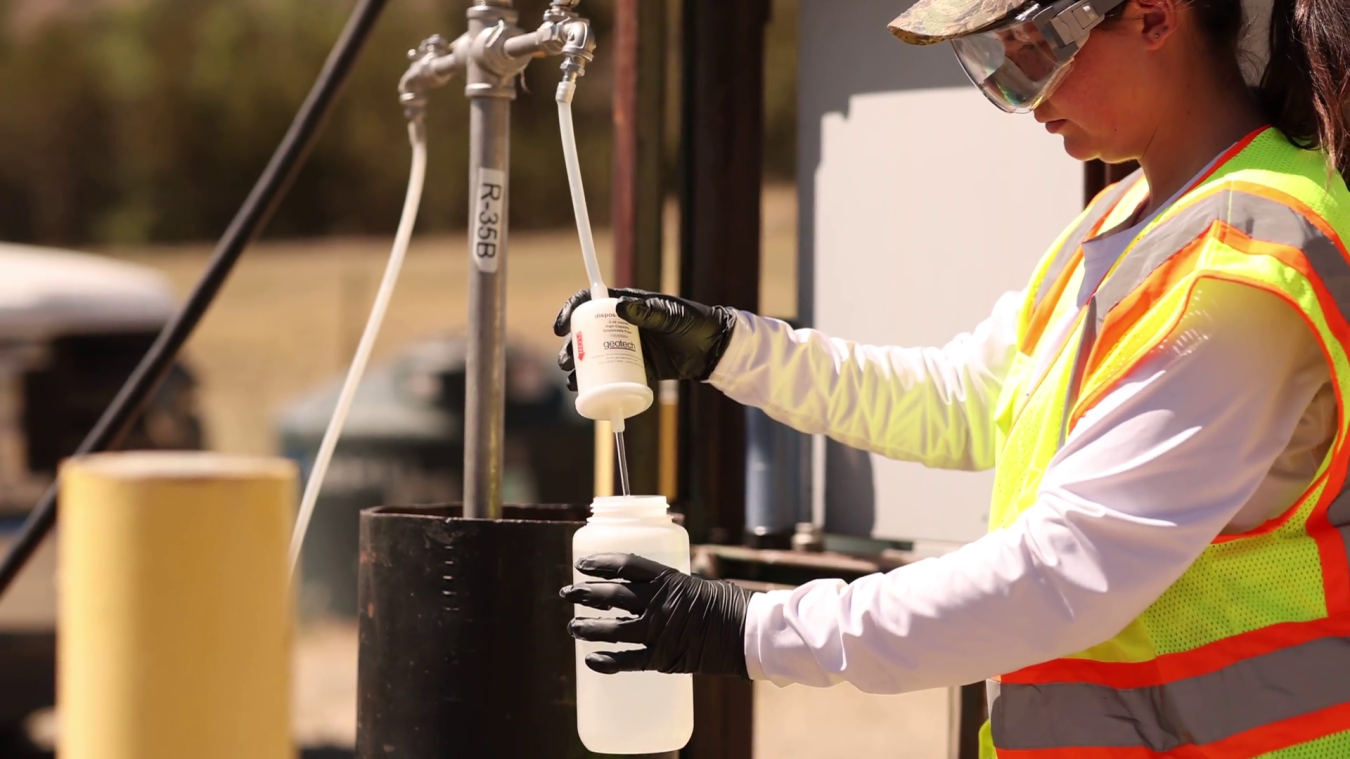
point(464, 650)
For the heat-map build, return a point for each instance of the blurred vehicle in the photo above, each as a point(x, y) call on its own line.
point(404, 444)
point(72, 328)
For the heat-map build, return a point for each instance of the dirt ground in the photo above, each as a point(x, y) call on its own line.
point(290, 318)
point(790, 723)
point(292, 313)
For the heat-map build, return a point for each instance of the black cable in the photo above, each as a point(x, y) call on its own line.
point(253, 215)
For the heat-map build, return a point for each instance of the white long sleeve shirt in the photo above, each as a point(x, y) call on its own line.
point(1221, 429)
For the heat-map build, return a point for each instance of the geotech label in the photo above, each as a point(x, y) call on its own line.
point(607, 344)
point(611, 377)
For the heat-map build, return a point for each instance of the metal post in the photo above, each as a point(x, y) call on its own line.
point(639, 51)
point(722, 142)
point(490, 95)
point(720, 208)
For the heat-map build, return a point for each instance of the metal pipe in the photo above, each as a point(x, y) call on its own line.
point(434, 62)
point(485, 400)
point(490, 91)
point(444, 668)
point(637, 197)
point(721, 138)
point(492, 53)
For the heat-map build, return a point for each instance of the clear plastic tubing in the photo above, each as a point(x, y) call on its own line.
point(569, 142)
point(621, 393)
point(416, 179)
point(631, 712)
point(621, 452)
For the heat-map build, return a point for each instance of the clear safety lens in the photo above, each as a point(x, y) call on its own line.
point(1015, 66)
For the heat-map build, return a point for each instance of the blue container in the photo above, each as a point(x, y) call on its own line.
point(777, 481)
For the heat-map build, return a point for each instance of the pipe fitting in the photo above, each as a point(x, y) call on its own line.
point(549, 39)
point(561, 11)
point(579, 49)
point(433, 63)
point(492, 56)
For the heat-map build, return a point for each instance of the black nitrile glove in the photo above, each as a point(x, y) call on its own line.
point(687, 624)
point(680, 339)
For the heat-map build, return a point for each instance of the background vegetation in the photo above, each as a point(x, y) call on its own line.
point(134, 121)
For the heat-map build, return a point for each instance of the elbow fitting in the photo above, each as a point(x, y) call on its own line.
point(548, 39)
point(578, 50)
point(433, 63)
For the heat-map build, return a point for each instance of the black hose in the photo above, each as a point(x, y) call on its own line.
point(253, 215)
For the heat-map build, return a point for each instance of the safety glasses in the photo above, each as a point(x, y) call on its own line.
point(1020, 63)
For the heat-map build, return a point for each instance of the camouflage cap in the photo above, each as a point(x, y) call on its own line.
point(932, 21)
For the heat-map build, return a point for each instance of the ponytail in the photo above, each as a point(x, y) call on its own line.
point(1306, 87)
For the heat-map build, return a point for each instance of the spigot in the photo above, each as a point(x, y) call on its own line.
point(433, 63)
point(499, 52)
point(578, 50)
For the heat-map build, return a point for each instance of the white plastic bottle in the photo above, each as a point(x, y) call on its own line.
point(631, 712)
point(611, 376)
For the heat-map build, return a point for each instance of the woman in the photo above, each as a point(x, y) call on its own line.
point(1166, 569)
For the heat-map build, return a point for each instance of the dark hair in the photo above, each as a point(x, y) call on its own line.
point(1305, 90)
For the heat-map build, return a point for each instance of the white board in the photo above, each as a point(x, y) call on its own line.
point(920, 203)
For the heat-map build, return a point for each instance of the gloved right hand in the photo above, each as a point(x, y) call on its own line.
point(680, 339)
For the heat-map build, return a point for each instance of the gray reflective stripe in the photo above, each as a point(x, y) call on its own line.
point(1258, 217)
point(1198, 710)
point(1338, 513)
point(1339, 510)
point(1080, 233)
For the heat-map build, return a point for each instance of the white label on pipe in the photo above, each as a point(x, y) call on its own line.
point(488, 220)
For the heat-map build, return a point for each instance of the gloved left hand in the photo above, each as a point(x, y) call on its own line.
point(686, 624)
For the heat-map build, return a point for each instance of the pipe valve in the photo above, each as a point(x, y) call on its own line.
point(492, 54)
point(433, 63)
point(580, 48)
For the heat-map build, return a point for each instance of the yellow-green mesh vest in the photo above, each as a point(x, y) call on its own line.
point(1282, 584)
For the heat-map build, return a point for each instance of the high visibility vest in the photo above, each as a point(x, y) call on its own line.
point(1248, 653)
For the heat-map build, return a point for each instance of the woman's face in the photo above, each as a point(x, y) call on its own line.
point(1108, 105)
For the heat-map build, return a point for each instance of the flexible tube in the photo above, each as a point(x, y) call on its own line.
point(569, 144)
point(416, 179)
point(252, 216)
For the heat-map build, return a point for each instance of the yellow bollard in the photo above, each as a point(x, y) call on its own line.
point(669, 447)
point(604, 460)
point(175, 610)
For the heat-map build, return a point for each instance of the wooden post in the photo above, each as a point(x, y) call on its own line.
point(175, 609)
